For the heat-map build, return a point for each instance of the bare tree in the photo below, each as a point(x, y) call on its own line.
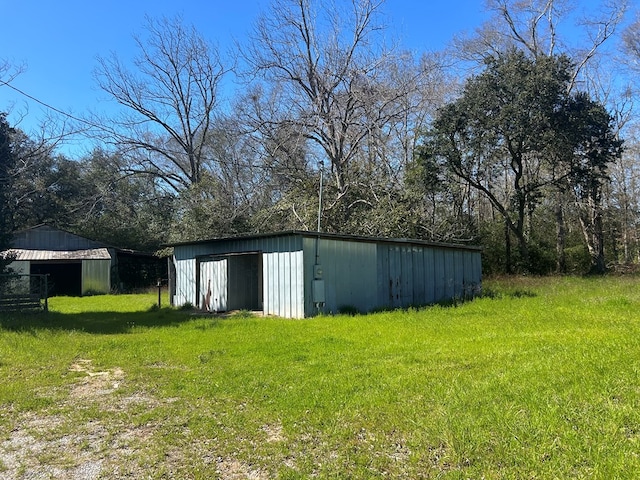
point(336, 84)
point(8, 72)
point(536, 27)
point(632, 42)
point(170, 101)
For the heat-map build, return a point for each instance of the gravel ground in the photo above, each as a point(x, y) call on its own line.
point(50, 447)
point(55, 447)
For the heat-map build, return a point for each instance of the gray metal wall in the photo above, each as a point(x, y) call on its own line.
point(49, 238)
point(419, 275)
point(349, 274)
point(371, 275)
point(96, 276)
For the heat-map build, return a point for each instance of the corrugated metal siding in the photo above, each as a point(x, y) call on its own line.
point(96, 276)
point(439, 273)
point(21, 267)
point(213, 285)
point(472, 274)
point(449, 274)
point(420, 275)
point(349, 273)
point(283, 282)
point(281, 277)
point(265, 244)
point(60, 255)
point(49, 238)
point(185, 281)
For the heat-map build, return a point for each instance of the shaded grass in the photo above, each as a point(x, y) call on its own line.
point(538, 380)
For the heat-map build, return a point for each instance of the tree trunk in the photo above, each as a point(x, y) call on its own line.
point(598, 265)
point(591, 223)
point(561, 237)
point(507, 246)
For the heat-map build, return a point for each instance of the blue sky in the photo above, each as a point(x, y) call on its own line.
point(58, 42)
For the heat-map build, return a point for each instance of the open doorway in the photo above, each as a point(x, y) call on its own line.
point(230, 282)
point(65, 279)
point(245, 282)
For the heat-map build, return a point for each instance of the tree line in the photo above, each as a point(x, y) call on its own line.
point(515, 138)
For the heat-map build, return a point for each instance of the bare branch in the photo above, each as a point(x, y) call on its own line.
point(171, 100)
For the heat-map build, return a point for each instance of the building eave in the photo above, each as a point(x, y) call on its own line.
point(330, 236)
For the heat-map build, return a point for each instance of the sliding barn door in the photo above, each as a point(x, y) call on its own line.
point(213, 285)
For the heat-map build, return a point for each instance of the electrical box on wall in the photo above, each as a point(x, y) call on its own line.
point(317, 291)
point(317, 272)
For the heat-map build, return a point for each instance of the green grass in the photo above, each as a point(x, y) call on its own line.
point(538, 379)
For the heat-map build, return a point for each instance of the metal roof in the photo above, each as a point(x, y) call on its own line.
point(58, 255)
point(335, 236)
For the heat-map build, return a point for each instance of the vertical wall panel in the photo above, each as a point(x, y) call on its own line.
point(349, 274)
point(395, 275)
point(185, 282)
point(213, 285)
point(21, 267)
point(96, 276)
point(449, 274)
point(439, 274)
point(267, 282)
point(285, 284)
point(297, 285)
point(458, 274)
point(429, 275)
point(384, 291)
point(283, 290)
point(419, 287)
point(406, 293)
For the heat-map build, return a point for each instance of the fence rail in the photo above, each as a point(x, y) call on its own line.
point(24, 292)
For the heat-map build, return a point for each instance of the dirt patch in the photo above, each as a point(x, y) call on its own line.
point(274, 433)
point(95, 383)
point(230, 469)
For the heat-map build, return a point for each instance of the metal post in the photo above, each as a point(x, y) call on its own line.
point(317, 286)
point(319, 210)
point(159, 293)
point(46, 292)
point(320, 198)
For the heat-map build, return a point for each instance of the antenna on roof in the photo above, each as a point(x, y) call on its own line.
point(320, 197)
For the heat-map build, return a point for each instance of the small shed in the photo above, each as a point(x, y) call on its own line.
point(297, 274)
point(75, 265)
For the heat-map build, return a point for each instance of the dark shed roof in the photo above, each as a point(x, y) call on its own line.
point(46, 237)
point(335, 236)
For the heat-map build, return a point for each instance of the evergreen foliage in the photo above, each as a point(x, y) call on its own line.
point(516, 134)
point(7, 163)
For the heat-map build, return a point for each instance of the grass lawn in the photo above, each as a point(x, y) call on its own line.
point(538, 379)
